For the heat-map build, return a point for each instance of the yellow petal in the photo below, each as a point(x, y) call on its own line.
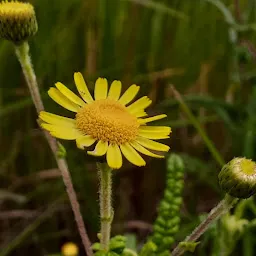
point(82, 87)
point(132, 155)
point(157, 129)
point(114, 156)
point(48, 127)
point(56, 119)
point(69, 94)
point(65, 133)
point(141, 113)
point(154, 132)
point(153, 136)
point(101, 89)
point(129, 94)
point(150, 119)
point(143, 150)
point(115, 90)
point(62, 100)
point(150, 144)
point(100, 149)
point(84, 141)
point(139, 104)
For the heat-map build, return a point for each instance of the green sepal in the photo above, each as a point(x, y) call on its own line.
point(148, 249)
point(188, 246)
point(117, 244)
point(129, 252)
point(102, 253)
point(61, 151)
point(96, 247)
point(165, 253)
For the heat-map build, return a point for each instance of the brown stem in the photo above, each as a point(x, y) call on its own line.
point(22, 52)
point(213, 216)
point(237, 11)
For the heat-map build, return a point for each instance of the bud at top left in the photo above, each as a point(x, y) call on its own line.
point(17, 21)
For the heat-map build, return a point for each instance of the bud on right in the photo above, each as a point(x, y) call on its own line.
point(238, 178)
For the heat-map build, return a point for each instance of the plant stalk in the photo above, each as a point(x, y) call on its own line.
point(106, 211)
point(223, 207)
point(22, 52)
point(215, 153)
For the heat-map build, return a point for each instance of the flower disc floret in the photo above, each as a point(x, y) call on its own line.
point(107, 120)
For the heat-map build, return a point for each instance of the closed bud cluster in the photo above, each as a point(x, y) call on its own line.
point(238, 178)
point(168, 220)
point(17, 21)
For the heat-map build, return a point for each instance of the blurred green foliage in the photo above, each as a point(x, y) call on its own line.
point(206, 49)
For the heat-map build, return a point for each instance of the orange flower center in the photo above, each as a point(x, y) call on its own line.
point(107, 120)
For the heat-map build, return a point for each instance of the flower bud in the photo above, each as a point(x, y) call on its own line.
point(238, 178)
point(17, 21)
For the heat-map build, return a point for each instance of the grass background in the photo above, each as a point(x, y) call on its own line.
point(205, 48)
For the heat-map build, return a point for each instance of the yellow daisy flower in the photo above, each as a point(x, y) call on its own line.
point(111, 120)
point(69, 249)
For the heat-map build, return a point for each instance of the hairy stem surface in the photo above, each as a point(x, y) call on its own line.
point(22, 52)
point(106, 211)
point(213, 216)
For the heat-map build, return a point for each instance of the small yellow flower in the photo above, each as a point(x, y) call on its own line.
point(69, 249)
point(117, 125)
point(17, 21)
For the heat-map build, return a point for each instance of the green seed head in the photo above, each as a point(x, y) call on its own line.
point(17, 21)
point(238, 178)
